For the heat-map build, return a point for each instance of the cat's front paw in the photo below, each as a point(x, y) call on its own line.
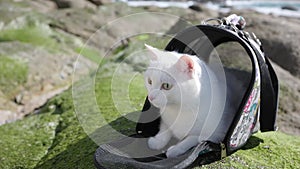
point(155, 143)
point(174, 151)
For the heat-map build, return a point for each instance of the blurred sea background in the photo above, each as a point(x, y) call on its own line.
point(277, 8)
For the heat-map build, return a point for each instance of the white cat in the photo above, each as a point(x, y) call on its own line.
point(191, 100)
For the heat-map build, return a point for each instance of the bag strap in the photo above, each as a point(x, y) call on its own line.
point(269, 93)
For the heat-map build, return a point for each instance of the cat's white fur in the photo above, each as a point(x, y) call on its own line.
point(192, 110)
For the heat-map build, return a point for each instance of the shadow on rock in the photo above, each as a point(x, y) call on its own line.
point(81, 153)
point(253, 142)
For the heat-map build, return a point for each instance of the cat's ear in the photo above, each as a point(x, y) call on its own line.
point(154, 53)
point(186, 64)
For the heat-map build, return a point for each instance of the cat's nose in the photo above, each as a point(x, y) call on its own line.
point(150, 98)
point(152, 95)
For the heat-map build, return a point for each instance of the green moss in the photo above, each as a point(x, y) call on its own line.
point(126, 96)
point(71, 147)
point(137, 91)
point(13, 73)
point(90, 53)
point(25, 142)
point(33, 28)
point(36, 35)
point(143, 37)
point(274, 152)
point(264, 150)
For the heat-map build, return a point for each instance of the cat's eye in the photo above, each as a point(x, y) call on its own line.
point(150, 81)
point(166, 86)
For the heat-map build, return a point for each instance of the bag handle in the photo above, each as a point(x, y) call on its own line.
point(269, 93)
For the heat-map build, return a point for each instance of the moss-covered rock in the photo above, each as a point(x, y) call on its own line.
point(56, 139)
point(13, 75)
point(25, 143)
point(264, 150)
point(36, 61)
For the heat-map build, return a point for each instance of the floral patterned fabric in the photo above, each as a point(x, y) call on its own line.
point(247, 122)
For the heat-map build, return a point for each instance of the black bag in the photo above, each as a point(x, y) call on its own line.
point(259, 103)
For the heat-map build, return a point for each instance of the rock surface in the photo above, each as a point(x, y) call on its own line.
point(39, 45)
point(47, 54)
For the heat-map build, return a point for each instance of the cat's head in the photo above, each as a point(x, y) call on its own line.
point(171, 77)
